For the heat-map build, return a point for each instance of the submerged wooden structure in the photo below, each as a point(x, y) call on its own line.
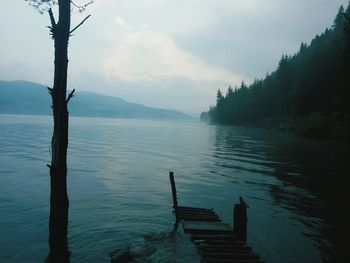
point(215, 241)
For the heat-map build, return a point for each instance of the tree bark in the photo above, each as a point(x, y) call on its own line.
point(58, 223)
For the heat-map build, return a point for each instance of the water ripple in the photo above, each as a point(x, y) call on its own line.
point(120, 194)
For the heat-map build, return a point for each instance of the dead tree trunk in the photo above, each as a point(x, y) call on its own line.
point(58, 224)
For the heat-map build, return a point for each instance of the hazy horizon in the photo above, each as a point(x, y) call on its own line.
point(160, 53)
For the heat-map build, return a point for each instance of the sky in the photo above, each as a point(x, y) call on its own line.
point(171, 54)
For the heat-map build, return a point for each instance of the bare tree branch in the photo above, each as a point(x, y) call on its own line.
point(53, 23)
point(50, 90)
point(52, 18)
point(42, 5)
point(79, 24)
point(82, 8)
point(70, 96)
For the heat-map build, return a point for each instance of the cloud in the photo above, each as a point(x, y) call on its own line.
point(142, 53)
point(161, 52)
point(248, 37)
point(120, 21)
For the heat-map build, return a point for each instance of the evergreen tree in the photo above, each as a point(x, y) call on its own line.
point(310, 88)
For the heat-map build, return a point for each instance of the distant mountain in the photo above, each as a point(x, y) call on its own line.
point(22, 97)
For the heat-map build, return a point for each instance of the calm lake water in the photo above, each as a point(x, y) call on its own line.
point(120, 193)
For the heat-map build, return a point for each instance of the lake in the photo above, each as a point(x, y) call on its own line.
point(120, 195)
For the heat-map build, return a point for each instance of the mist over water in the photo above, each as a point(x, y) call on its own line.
point(120, 193)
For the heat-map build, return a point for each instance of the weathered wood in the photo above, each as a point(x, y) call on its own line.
point(203, 217)
point(199, 219)
point(184, 214)
point(197, 214)
point(213, 237)
point(222, 247)
point(59, 203)
point(206, 227)
point(195, 209)
point(202, 213)
point(240, 220)
point(225, 249)
point(173, 189)
point(187, 211)
point(216, 242)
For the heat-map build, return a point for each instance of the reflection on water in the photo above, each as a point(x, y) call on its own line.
point(312, 182)
point(120, 193)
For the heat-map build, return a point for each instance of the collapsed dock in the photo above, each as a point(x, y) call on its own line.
point(216, 241)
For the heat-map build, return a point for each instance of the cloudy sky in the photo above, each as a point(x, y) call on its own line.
point(163, 53)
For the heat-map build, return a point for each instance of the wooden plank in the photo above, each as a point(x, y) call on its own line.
point(215, 242)
point(199, 219)
point(209, 218)
point(207, 226)
point(206, 213)
point(223, 247)
point(194, 231)
point(173, 189)
point(225, 241)
point(198, 216)
point(222, 236)
point(179, 212)
point(203, 244)
point(194, 209)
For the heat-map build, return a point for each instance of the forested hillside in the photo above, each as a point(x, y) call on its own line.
point(308, 93)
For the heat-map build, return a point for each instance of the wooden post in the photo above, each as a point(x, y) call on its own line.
point(173, 190)
point(240, 220)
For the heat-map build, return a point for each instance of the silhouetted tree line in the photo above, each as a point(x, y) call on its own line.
point(308, 93)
